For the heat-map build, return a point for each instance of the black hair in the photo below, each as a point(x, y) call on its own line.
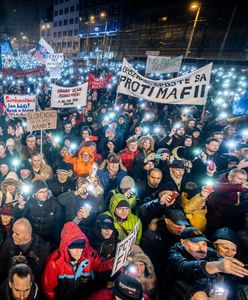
point(209, 140)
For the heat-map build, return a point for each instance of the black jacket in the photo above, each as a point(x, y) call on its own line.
point(45, 217)
point(35, 253)
point(58, 188)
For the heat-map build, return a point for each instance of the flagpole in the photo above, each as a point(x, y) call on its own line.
point(41, 141)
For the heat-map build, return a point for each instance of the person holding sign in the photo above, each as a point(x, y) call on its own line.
point(124, 219)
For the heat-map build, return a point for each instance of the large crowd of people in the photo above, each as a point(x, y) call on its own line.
point(68, 198)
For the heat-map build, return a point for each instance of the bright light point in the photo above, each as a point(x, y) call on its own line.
point(90, 187)
point(57, 139)
point(73, 146)
point(209, 183)
point(157, 129)
point(223, 115)
point(231, 144)
point(24, 123)
point(177, 125)
point(111, 115)
point(26, 188)
point(197, 151)
point(185, 111)
point(145, 129)
point(16, 162)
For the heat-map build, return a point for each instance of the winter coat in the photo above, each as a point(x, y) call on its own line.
point(45, 172)
point(126, 226)
point(224, 196)
point(79, 167)
point(148, 278)
point(58, 188)
point(195, 210)
point(36, 254)
point(127, 158)
point(60, 280)
point(107, 294)
point(45, 217)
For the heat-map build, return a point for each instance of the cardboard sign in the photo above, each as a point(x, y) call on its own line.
point(63, 97)
point(123, 248)
point(19, 105)
point(163, 64)
point(42, 120)
point(188, 89)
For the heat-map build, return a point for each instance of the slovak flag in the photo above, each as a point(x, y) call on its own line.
point(42, 49)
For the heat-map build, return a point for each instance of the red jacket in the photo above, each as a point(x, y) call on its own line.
point(127, 158)
point(106, 294)
point(224, 195)
point(60, 280)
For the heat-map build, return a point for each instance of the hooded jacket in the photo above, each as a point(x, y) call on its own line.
point(60, 280)
point(79, 167)
point(126, 226)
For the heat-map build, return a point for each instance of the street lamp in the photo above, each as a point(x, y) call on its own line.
point(194, 6)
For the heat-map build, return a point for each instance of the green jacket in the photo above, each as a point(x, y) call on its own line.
point(126, 226)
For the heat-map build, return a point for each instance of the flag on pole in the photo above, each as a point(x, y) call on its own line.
point(42, 49)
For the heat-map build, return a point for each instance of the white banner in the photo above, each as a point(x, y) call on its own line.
point(54, 64)
point(63, 97)
point(19, 105)
point(163, 64)
point(188, 89)
point(155, 53)
point(123, 248)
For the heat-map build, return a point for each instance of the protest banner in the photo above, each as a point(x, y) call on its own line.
point(54, 64)
point(35, 72)
point(63, 97)
point(19, 105)
point(188, 89)
point(154, 53)
point(42, 120)
point(99, 83)
point(42, 49)
point(123, 248)
point(163, 64)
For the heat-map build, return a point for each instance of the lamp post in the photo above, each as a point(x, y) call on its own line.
point(193, 6)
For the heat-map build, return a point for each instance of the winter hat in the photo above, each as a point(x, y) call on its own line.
point(127, 288)
point(140, 256)
point(77, 244)
point(177, 217)
point(127, 183)
point(196, 129)
point(25, 165)
point(63, 167)
point(225, 234)
point(38, 185)
point(11, 179)
point(10, 142)
point(105, 222)
point(113, 158)
point(5, 161)
point(193, 234)
point(177, 164)
point(7, 210)
point(168, 186)
point(163, 150)
point(123, 203)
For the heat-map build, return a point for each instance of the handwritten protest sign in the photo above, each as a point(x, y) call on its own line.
point(163, 64)
point(123, 248)
point(63, 97)
point(42, 120)
point(19, 105)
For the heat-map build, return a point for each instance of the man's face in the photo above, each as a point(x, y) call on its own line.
point(212, 146)
point(113, 167)
point(188, 142)
point(20, 287)
point(68, 128)
point(25, 173)
point(62, 176)
point(180, 131)
point(19, 235)
point(42, 194)
point(133, 146)
point(31, 142)
point(243, 153)
point(36, 161)
point(173, 227)
point(122, 212)
point(154, 178)
point(225, 248)
point(4, 169)
point(11, 130)
point(85, 157)
point(106, 233)
point(219, 137)
point(6, 219)
point(238, 178)
point(177, 172)
point(11, 148)
point(85, 134)
point(196, 134)
point(198, 250)
point(121, 120)
point(2, 150)
point(191, 124)
point(76, 253)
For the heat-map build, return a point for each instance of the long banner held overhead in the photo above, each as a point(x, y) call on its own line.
point(63, 97)
point(19, 105)
point(96, 83)
point(163, 64)
point(188, 89)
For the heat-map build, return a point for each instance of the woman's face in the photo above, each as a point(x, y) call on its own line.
point(226, 249)
point(140, 266)
point(111, 146)
point(146, 145)
point(11, 188)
